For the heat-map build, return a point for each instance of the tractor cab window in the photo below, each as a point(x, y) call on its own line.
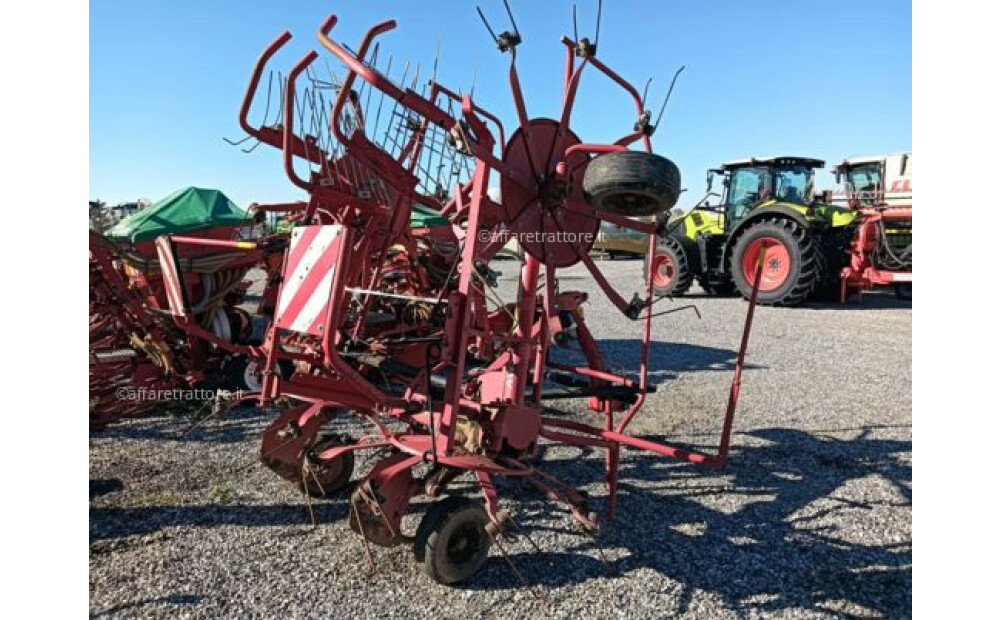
point(864, 182)
point(794, 184)
point(747, 187)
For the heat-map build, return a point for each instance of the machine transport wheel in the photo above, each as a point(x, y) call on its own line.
point(451, 541)
point(632, 183)
point(240, 372)
point(324, 478)
point(904, 290)
point(671, 271)
point(791, 262)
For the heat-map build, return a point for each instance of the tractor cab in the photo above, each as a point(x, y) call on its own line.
point(751, 182)
point(881, 180)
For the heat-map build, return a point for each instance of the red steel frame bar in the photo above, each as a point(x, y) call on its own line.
point(606, 438)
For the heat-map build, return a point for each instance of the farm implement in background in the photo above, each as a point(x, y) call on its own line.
point(879, 189)
point(165, 289)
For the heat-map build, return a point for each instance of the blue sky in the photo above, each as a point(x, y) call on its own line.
point(822, 79)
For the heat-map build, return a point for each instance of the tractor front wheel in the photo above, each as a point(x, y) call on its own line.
point(452, 542)
point(671, 272)
point(791, 262)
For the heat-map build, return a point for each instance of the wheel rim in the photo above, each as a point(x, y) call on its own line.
point(777, 263)
point(323, 478)
point(465, 544)
point(663, 270)
point(329, 475)
point(252, 377)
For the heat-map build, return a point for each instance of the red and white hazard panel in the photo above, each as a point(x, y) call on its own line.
point(306, 290)
point(171, 279)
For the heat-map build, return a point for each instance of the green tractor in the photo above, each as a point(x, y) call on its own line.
point(766, 204)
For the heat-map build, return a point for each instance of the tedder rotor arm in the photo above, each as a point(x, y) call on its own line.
point(438, 89)
point(426, 108)
point(289, 140)
point(274, 136)
point(261, 133)
point(572, 46)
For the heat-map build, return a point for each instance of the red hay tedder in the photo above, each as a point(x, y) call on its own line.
point(405, 330)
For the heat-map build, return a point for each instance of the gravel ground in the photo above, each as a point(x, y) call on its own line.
point(811, 518)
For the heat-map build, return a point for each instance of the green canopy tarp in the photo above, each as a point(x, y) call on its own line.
point(187, 210)
point(422, 216)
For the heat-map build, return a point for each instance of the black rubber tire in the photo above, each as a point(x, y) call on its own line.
point(632, 183)
point(804, 268)
point(683, 277)
point(723, 288)
point(333, 475)
point(828, 284)
point(453, 526)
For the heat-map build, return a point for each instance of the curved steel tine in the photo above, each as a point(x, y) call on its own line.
point(487, 24)
point(597, 34)
point(252, 148)
point(510, 14)
point(670, 91)
point(576, 34)
point(267, 103)
point(267, 108)
point(236, 142)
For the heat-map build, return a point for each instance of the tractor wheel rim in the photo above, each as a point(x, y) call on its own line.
point(777, 263)
point(663, 270)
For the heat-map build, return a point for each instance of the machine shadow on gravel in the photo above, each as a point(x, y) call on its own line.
point(873, 300)
point(172, 599)
point(121, 522)
point(775, 549)
point(773, 553)
point(239, 424)
point(667, 358)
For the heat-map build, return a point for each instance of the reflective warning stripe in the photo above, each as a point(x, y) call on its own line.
point(171, 281)
point(308, 278)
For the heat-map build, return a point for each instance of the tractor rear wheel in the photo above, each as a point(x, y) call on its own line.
point(791, 262)
point(670, 269)
point(452, 542)
point(632, 183)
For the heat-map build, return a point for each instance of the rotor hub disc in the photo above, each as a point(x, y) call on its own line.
point(547, 215)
